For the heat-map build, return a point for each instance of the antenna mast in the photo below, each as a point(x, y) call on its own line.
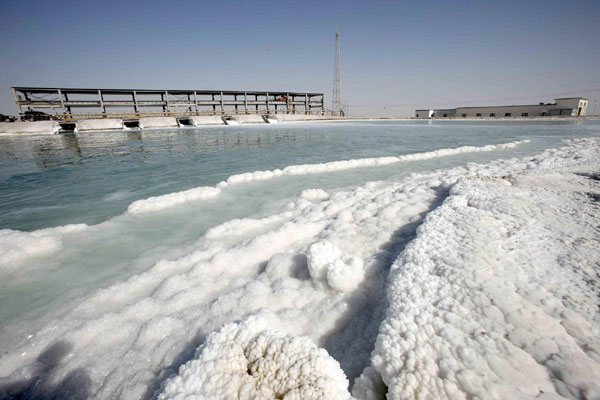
point(336, 100)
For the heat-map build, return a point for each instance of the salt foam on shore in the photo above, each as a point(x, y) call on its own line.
point(494, 297)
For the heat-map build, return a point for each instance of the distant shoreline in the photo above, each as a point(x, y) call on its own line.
point(54, 127)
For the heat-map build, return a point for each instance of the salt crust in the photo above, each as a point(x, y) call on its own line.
point(16, 245)
point(201, 193)
point(497, 296)
point(247, 360)
point(131, 336)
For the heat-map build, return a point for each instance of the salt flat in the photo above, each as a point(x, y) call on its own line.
point(465, 279)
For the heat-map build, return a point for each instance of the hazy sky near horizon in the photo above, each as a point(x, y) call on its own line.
point(396, 55)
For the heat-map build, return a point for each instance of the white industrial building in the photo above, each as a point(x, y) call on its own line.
point(567, 106)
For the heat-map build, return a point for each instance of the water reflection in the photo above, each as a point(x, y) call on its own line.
point(58, 150)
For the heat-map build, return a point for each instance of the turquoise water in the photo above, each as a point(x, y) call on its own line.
point(49, 181)
point(88, 178)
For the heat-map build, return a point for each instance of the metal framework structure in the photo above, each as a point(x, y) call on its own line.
point(76, 103)
point(336, 100)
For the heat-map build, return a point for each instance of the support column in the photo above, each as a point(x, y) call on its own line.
point(167, 100)
point(267, 102)
point(221, 103)
point(62, 102)
point(235, 100)
point(135, 104)
point(195, 101)
point(68, 107)
point(246, 102)
point(287, 102)
point(102, 103)
point(305, 103)
point(17, 102)
point(214, 105)
point(256, 102)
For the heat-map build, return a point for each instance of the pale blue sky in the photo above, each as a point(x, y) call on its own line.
point(396, 56)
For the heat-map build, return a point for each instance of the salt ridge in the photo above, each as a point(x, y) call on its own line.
point(493, 298)
point(157, 203)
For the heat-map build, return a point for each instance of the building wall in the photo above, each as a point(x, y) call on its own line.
point(562, 107)
point(444, 113)
point(579, 105)
point(423, 113)
point(501, 111)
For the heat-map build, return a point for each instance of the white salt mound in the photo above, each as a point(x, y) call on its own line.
point(247, 360)
point(326, 263)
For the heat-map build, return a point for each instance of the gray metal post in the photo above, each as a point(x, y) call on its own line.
point(196, 101)
point(246, 102)
point(235, 100)
point(287, 103)
point(68, 107)
point(305, 103)
point(167, 100)
point(102, 102)
point(62, 102)
point(221, 102)
point(135, 104)
point(214, 105)
point(267, 102)
point(17, 102)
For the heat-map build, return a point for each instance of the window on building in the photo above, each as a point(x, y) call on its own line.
point(445, 115)
point(464, 115)
point(507, 114)
point(478, 115)
point(492, 114)
point(524, 114)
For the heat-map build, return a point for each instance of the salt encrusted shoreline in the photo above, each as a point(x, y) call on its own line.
point(495, 297)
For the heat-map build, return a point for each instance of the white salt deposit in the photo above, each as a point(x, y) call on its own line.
point(495, 297)
point(174, 199)
point(247, 360)
point(17, 246)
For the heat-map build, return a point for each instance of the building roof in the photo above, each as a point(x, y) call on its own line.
point(154, 91)
point(512, 105)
